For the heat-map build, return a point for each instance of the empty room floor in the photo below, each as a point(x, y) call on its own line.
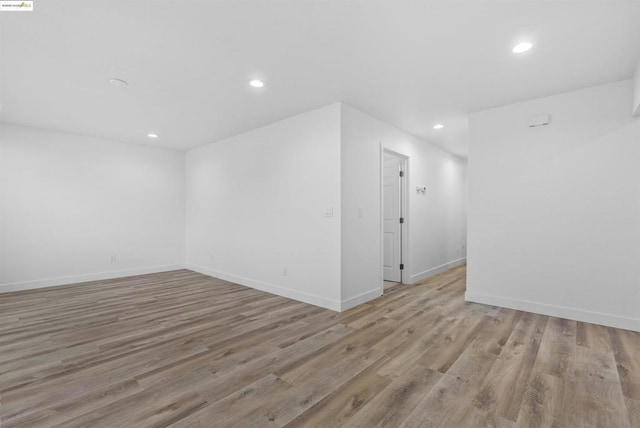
point(187, 350)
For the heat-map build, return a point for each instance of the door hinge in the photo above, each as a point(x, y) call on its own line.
point(401, 266)
point(401, 173)
point(401, 220)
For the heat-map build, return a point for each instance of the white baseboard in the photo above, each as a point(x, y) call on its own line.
point(360, 298)
point(65, 280)
point(301, 296)
point(555, 311)
point(433, 271)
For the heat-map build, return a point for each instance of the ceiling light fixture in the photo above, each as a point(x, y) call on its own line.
point(522, 47)
point(438, 126)
point(152, 135)
point(256, 83)
point(118, 82)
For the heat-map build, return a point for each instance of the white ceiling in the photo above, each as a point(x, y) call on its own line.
point(411, 64)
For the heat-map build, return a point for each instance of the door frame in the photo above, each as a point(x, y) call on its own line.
point(404, 207)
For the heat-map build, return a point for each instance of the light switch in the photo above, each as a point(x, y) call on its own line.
point(360, 212)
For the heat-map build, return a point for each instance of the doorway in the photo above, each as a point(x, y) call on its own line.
point(394, 219)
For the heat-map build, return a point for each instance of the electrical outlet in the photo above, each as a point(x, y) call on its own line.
point(113, 258)
point(328, 212)
point(284, 271)
point(360, 212)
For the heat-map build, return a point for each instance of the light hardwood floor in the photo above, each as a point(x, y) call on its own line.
point(186, 350)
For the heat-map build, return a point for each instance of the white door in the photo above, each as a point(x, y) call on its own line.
point(391, 206)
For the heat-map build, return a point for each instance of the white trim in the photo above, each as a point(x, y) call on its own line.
point(359, 299)
point(66, 280)
point(406, 209)
point(555, 311)
point(433, 271)
point(312, 299)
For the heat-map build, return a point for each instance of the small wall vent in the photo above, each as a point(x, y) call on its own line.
point(539, 120)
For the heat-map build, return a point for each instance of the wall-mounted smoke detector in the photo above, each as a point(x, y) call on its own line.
point(539, 120)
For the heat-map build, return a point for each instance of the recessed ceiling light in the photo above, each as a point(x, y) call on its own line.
point(256, 83)
point(118, 82)
point(152, 135)
point(522, 47)
point(438, 126)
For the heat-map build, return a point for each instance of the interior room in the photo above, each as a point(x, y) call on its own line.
point(319, 214)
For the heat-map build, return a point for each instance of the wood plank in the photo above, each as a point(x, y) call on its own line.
point(558, 352)
point(341, 405)
point(183, 349)
point(392, 405)
point(506, 384)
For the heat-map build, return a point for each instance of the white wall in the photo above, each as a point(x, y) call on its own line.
point(255, 206)
point(68, 203)
point(436, 221)
point(554, 212)
point(256, 203)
